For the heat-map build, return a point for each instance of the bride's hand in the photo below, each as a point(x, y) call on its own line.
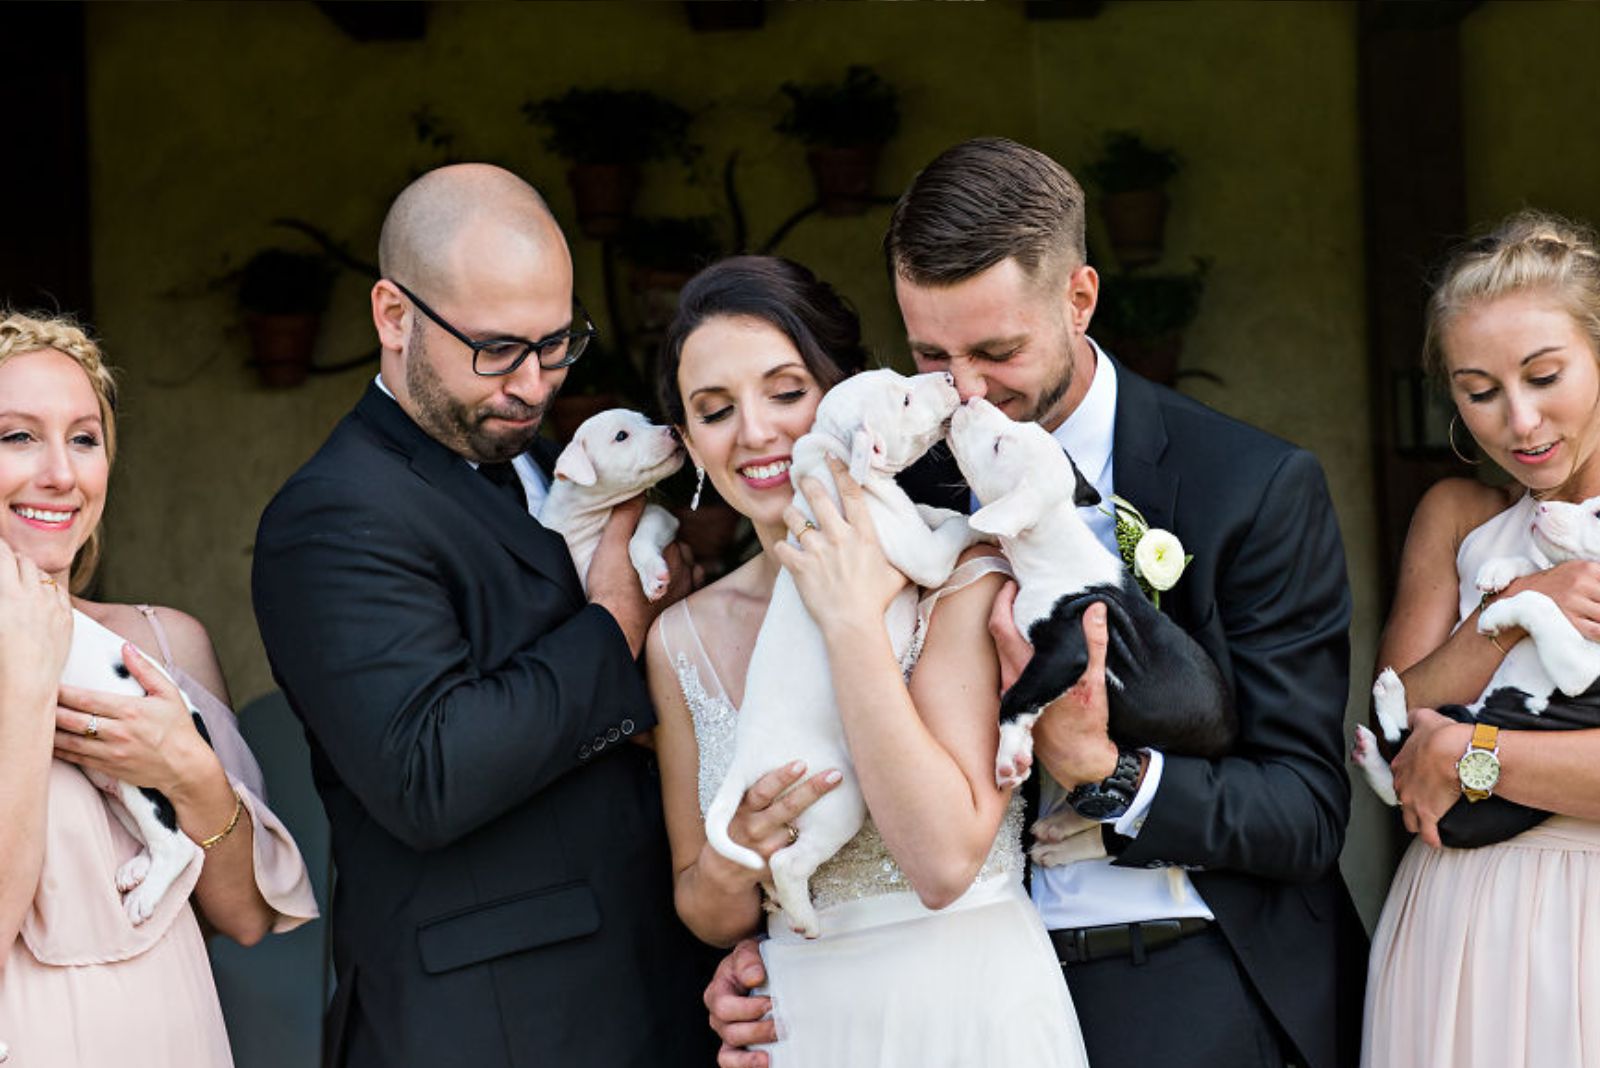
point(838, 565)
point(1574, 585)
point(765, 818)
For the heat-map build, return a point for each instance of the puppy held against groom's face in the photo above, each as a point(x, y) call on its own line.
point(1162, 688)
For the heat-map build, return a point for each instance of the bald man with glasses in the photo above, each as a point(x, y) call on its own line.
point(504, 894)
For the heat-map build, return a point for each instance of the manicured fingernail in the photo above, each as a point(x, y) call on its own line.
point(797, 768)
point(833, 777)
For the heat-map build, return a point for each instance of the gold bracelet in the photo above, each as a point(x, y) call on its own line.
point(1496, 639)
point(238, 808)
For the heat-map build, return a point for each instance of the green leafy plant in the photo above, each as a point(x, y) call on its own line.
point(276, 281)
point(629, 126)
point(1128, 164)
point(1147, 306)
point(670, 244)
point(861, 110)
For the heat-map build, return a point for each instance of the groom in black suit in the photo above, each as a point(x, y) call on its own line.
point(504, 893)
point(1207, 924)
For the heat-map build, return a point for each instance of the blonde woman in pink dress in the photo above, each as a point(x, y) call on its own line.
point(1488, 958)
point(80, 984)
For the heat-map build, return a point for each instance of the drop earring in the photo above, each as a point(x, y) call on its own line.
point(699, 484)
point(1450, 434)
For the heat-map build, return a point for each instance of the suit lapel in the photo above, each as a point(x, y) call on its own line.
point(520, 533)
point(1138, 447)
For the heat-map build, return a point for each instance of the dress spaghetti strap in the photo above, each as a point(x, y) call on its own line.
point(149, 613)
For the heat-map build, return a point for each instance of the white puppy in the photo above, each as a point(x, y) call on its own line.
point(1557, 658)
point(878, 422)
point(95, 663)
point(613, 456)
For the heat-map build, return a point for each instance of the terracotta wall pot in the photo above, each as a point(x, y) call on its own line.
point(281, 347)
point(844, 177)
point(603, 194)
point(567, 412)
point(655, 294)
point(1136, 222)
point(1156, 358)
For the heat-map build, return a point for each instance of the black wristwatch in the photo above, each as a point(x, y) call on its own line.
point(1110, 797)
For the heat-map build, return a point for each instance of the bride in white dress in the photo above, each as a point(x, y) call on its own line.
point(931, 953)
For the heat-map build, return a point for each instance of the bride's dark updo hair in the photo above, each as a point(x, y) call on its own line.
point(823, 327)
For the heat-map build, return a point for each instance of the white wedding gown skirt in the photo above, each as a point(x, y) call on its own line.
point(894, 985)
point(891, 984)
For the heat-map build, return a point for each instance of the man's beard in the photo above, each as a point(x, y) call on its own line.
point(1054, 391)
point(462, 428)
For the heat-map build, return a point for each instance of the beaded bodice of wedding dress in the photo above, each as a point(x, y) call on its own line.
point(863, 867)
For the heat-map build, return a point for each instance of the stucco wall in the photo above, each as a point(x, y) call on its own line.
point(208, 121)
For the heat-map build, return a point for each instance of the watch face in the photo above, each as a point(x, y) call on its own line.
point(1100, 805)
point(1479, 770)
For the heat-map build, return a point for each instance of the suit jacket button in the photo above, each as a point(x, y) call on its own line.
point(627, 726)
point(613, 735)
point(583, 752)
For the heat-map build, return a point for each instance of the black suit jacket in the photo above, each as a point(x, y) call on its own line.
point(1266, 597)
point(504, 892)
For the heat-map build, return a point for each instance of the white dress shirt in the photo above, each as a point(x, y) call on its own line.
point(534, 486)
point(1090, 893)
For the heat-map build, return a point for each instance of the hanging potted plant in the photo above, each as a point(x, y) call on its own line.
point(844, 126)
point(1131, 177)
point(283, 295)
point(662, 255)
point(1140, 319)
point(607, 134)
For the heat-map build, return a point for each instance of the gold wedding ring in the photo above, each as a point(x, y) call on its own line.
point(46, 580)
point(794, 833)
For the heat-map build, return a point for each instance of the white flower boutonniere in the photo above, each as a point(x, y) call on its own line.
point(1155, 556)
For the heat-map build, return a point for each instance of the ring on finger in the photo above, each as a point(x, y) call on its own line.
point(47, 580)
point(805, 528)
point(794, 833)
point(92, 728)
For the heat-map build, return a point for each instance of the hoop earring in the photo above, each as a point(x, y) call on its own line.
point(699, 484)
point(1451, 434)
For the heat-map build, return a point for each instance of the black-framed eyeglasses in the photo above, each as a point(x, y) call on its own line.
point(501, 355)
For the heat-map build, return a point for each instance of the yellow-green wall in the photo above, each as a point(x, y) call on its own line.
point(210, 120)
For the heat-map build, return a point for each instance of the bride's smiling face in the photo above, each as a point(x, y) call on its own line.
point(747, 397)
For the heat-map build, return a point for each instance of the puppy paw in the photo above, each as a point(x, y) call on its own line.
point(655, 586)
point(133, 871)
point(1495, 575)
point(1014, 759)
point(1389, 701)
point(140, 904)
point(1499, 616)
point(1364, 754)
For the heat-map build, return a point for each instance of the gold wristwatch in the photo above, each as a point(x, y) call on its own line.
point(1479, 767)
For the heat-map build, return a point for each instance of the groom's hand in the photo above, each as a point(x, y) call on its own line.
point(1071, 738)
point(736, 1017)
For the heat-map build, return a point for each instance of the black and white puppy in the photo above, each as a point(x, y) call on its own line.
point(1549, 681)
point(94, 662)
point(1162, 688)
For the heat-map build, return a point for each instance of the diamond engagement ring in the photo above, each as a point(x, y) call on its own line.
point(92, 728)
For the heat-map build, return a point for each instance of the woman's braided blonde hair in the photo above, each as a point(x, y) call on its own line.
point(20, 334)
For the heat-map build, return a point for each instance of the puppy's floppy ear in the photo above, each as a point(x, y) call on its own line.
point(865, 446)
point(1084, 495)
point(1008, 516)
point(574, 465)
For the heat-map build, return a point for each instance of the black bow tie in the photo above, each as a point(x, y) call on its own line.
point(504, 478)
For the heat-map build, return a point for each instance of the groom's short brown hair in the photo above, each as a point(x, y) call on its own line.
point(979, 203)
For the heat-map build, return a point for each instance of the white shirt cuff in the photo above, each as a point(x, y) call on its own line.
point(1131, 822)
